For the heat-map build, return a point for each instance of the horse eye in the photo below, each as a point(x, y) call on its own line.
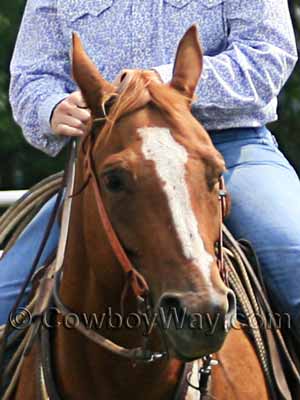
point(113, 182)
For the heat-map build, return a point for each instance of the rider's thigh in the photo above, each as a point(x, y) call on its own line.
point(265, 193)
point(16, 263)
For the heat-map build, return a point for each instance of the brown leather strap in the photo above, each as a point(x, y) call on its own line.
point(137, 281)
point(46, 364)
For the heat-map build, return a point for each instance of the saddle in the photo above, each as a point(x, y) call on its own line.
point(277, 357)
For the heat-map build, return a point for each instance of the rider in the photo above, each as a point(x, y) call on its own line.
point(250, 52)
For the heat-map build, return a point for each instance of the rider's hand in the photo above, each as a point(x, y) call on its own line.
point(71, 116)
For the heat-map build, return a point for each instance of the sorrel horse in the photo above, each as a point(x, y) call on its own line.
point(158, 174)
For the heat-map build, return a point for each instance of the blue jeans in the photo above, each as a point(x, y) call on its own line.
point(265, 195)
point(16, 263)
point(265, 192)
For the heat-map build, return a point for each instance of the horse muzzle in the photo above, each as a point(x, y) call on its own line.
point(196, 324)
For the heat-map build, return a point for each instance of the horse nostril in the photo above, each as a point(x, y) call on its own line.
point(172, 303)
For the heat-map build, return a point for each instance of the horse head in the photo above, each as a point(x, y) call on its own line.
point(158, 173)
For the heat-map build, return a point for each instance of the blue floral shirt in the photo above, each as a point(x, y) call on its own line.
point(249, 49)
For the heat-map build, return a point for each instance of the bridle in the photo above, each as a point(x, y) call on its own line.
point(134, 279)
point(49, 295)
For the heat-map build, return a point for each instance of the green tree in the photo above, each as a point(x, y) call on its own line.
point(287, 128)
point(20, 164)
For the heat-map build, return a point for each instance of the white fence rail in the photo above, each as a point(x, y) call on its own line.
point(8, 197)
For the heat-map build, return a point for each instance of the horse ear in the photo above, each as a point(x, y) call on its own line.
point(85, 73)
point(188, 63)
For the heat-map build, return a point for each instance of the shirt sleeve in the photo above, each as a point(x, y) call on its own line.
point(259, 57)
point(40, 74)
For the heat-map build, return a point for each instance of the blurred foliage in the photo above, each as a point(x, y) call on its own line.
point(287, 128)
point(21, 165)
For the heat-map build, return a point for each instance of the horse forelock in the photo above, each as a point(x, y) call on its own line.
point(136, 90)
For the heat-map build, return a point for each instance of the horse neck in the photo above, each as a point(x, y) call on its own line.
point(92, 282)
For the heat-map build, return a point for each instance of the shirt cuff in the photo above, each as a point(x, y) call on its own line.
point(46, 109)
point(165, 71)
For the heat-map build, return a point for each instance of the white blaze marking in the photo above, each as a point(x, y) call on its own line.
point(170, 160)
